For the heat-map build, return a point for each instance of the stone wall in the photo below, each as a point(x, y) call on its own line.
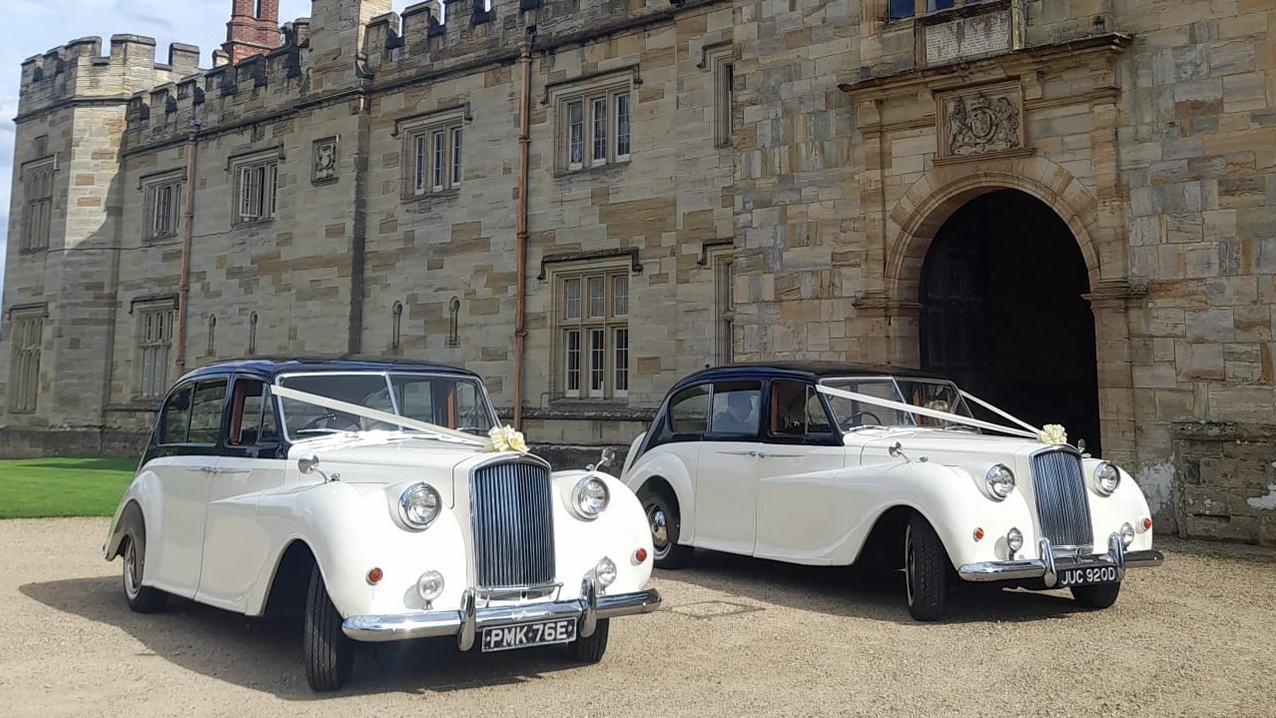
point(1148, 126)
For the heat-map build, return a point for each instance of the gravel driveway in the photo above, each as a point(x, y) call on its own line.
point(736, 637)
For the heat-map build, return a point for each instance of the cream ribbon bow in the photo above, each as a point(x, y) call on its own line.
point(505, 438)
point(1052, 434)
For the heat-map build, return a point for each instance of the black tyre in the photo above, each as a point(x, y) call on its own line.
point(591, 650)
point(925, 570)
point(142, 599)
point(664, 521)
point(1098, 596)
point(329, 653)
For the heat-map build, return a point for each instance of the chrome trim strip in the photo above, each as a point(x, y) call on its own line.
point(466, 623)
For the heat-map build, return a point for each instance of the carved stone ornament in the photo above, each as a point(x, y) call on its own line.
point(325, 160)
point(981, 122)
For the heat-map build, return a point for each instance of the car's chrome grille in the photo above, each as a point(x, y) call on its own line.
point(512, 512)
point(1063, 509)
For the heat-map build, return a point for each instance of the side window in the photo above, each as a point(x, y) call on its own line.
point(252, 418)
point(206, 412)
point(175, 418)
point(796, 410)
point(689, 411)
point(736, 408)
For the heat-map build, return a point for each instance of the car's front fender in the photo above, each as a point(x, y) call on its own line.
point(946, 497)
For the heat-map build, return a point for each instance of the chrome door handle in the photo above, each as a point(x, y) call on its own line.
point(765, 455)
point(739, 453)
point(231, 471)
point(202, 469)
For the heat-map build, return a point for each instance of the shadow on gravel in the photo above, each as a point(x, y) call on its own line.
point(266, 654)
point(841, 591)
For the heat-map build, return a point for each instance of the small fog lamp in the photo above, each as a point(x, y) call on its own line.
point(605, 571)
point(1127, 535)
point(430, 585)
point(1014, 539)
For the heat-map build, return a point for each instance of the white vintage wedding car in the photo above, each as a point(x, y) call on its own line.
point(384, 502)
point(832, 464)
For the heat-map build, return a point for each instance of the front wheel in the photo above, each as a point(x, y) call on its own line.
point(665, 523)
point(591, 650)
point(329, 653)
point(925, 570)
point(1097, 596)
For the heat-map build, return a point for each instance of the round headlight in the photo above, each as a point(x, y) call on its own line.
point(1000, 480)
point(1127, 535)
point(605, 571)
point(1106, 478)
point(419, 505)
point(590, 497)
point(430, 585)
point(1014, 539)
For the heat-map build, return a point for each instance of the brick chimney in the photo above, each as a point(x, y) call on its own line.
point(253, 29)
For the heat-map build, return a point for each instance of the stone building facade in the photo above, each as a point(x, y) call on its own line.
point(1069, 205)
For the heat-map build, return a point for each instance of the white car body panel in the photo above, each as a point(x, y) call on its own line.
point(237, 521)
point(817, 504)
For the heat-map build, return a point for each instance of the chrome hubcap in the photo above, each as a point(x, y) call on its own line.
point(131, 577)
point(659, 530)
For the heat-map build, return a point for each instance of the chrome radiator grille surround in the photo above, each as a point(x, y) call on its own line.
point(1063, 509)
point(512, 513)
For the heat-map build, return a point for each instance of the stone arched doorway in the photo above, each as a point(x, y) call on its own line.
point(1002, 311)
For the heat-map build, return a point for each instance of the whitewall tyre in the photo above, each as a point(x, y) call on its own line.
point(925, 570)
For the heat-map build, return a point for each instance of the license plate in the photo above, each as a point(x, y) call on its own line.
point(525, 635)
point(1086, 576)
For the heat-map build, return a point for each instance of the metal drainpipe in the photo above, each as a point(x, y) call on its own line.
point(184, 282)
point(524, 141)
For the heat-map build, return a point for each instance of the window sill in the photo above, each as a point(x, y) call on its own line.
point(564, 173)
point(244, 223)
point(443, 194)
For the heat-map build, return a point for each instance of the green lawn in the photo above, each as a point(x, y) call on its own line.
point(33, 488)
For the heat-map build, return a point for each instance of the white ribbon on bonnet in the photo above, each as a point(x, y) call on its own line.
point(1029, 432)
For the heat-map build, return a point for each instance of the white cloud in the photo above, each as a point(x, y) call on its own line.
point(36, 26)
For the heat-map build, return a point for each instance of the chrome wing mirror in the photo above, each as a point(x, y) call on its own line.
point(607, 458)
point(897, 451)
point(309, 463)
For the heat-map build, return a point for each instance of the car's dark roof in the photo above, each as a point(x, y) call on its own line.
point(805, 370)
point(270, 367)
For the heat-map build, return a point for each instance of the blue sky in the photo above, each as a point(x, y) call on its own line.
point(35, 26)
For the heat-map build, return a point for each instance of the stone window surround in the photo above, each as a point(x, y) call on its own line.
point(584, 325)
point(585, 90)
point(418, 155)
point(720, 259)
point(35, 237)
point(153, 345)
point(720, 60)
point(151, 186)
point(267, 161)
point(26, 334)
point(923, 8)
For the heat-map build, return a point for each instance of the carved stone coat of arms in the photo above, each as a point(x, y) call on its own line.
point(978, 123)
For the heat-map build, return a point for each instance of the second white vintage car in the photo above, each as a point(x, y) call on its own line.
point(385, 503)
point(832, 464)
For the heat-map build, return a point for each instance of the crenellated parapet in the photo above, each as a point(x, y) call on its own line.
point(433, 37)
point(426, 40)
point(79, 70)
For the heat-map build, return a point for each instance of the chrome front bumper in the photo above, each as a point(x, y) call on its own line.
point(469, 620)
point(1049, 565)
